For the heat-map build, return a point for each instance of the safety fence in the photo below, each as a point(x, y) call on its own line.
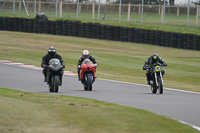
point(160, 14)
point(101, 31)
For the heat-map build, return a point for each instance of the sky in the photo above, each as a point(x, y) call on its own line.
point(182, 2)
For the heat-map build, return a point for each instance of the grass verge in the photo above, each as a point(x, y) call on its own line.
point(46, 113)
point(117, 60)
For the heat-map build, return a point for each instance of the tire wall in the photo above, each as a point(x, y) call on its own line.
point(101, 31)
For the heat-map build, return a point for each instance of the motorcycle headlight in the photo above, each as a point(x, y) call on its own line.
point(157, 68)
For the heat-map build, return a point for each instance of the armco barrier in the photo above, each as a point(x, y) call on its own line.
point(101, 31)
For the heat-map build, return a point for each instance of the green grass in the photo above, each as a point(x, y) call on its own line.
point(117, 60)
point(30, 112)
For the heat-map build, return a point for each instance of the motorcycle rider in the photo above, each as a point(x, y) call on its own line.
point(85, 54)
point(46, 58)
point(153, 59)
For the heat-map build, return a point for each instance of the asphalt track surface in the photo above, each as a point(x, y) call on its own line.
point(179, 105)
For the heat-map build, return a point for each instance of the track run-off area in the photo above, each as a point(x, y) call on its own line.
point(178, 104)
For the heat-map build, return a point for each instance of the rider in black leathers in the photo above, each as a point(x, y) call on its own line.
point(154, 58)
point(85, 55)
point(46, 58)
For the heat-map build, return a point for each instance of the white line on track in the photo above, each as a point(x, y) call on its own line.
point(30, 66)
point(195, 127)
point(148, 85)
point(72, 73)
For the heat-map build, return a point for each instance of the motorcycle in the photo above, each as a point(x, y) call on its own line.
point(54, 75)
point(87, 74)
point(156, 80)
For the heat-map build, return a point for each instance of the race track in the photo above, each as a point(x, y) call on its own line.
point(180, 105)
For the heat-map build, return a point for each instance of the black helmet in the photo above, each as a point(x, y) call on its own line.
point(85, 54)
point(154, 56)
point(51, 51)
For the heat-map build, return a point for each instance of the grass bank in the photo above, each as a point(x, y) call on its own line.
point(117, 60)
point(47, 113)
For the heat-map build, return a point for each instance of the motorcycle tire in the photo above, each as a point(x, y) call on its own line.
point(56, 83)
point(153, 89)
point(160, 86)
point(51, 89)
point(85, 87)
point(89, 83)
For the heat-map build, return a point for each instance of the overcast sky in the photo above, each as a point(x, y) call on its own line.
point(182, 2)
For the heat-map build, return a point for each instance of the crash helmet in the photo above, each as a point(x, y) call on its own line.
point(51, 51)
point(154, 56)
point(85, 54)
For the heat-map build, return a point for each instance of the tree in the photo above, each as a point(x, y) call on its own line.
point(196, 3)
point(171, 2)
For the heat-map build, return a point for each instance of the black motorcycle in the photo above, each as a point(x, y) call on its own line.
point(54, 75)
point(156, 78)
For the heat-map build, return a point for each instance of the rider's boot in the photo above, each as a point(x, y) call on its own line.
point(148, 81)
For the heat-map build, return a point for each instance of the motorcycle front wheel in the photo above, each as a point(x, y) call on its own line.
point(160, 87)
point(90, 82)
point(88, 85)
point(56, 83)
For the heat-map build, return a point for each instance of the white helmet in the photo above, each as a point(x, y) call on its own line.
point(85, 54)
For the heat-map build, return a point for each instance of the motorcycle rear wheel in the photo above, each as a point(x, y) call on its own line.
point(153, 89)
point(85, 87)
point(51, 89)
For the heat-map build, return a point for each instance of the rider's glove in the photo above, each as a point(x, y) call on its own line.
point(45, 66)
point(164, 64)
point(79, 66)
point(144, 67)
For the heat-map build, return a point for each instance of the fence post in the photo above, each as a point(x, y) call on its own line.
point(197, 15)
point(159, 10)
point(13, 6)
point(35, 8)
point(188, 12)
point(120, 10)
point(161, 20)
point(164, 12)
point(178, 11)
point(79, 8)
point(98, 9)
point(56, 8)
point(93, 10)
point(25, 8)
point(139, 9)
point(142, 11)
point(129, 10)
point(60, 7)
point(39, 9)
point(199, 10)
point(20, 5)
